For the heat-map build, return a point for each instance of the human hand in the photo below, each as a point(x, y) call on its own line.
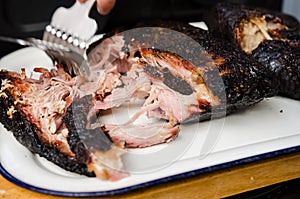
point(103, 6)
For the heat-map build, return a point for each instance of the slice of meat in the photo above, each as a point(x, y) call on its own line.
point(142, 135)
point(25, 130)
point(91, 146)
point(42, 115)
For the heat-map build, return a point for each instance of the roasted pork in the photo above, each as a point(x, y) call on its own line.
point(175, 72)
point(271, 37)
point(42, 115)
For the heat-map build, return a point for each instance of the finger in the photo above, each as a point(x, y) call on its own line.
point(81, 1)
point(105, 6)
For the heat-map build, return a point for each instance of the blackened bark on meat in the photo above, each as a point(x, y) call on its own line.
point(245, 81)
point(283, 63)
point(27, 134)
point(153, 71)
point(161, 37)
point(83, 140)
point(237, 79)
point(279, 57)
point(176, 83)
point(173, 82)
point(226, 17)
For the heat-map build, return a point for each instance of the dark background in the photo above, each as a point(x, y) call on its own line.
point(28, 18)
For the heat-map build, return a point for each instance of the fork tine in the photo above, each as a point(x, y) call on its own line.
point(71, 61)
point(54, 39)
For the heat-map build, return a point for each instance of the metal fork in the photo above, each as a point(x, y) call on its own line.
point(72, 27)
point(66, 37)
point(73, 62)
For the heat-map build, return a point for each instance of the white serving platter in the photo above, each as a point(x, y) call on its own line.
point(268, 129)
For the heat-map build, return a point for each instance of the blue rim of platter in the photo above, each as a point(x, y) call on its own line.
point(192, 173)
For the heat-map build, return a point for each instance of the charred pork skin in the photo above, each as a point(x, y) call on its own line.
point(249, 26)
point(271, 37)
point(283, 62)
point(231, 79)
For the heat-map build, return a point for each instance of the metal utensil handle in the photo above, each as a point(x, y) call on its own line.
point(44, 45)
point(21, 42)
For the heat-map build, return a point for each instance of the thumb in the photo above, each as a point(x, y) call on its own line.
point(105, 6)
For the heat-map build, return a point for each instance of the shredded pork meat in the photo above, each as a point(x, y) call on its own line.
point(44, 108)
point(172, 89)
point(256, 30)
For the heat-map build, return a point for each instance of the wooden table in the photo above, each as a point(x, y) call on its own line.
point(218, 184)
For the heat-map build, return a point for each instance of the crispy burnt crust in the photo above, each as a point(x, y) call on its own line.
point(245, 81)
point(81, 139)
point(225, 19)
point(238, 80)
point(27, 134)
point(279, 57)
point(283, 62)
